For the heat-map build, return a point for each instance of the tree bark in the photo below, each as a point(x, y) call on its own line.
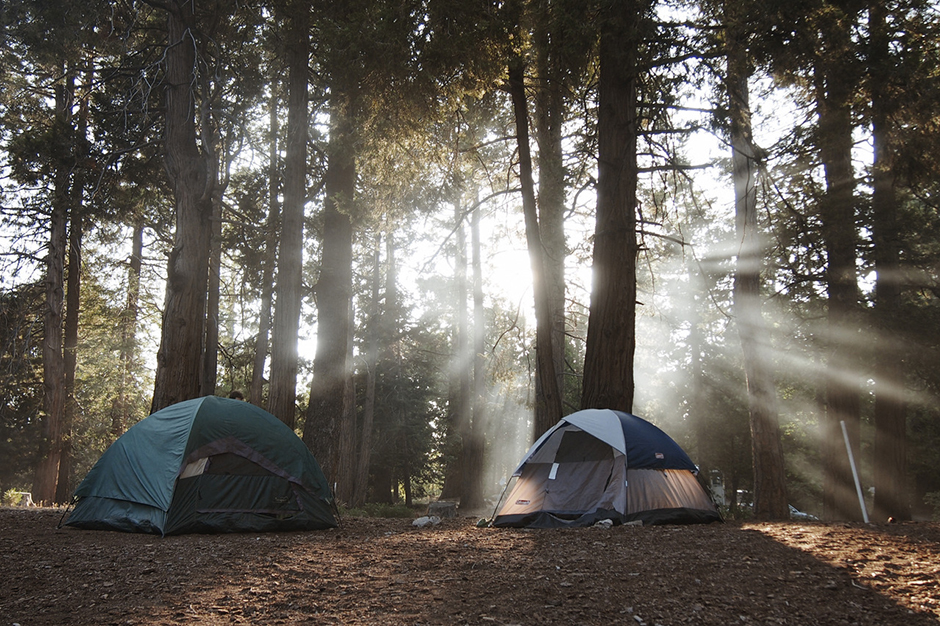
point(474, 459)
point(548, 409)
point(282, 389)
point(53, 358)
point(461, 382)
point(890, 455)
point(72, 307)
point(611, 341)
point(191, 176)
point(210, 358)
point(550, 112)
point(770, 492)
point(334, 289)
point(120, 406)
point(371, 358)
point(834, 84)
point(256, 389)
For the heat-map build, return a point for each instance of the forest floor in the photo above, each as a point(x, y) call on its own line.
point(387, 571)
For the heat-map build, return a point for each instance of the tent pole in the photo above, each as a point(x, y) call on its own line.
point(500, 500)
point(858, 485)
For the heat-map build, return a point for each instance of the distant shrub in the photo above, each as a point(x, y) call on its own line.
point(12, 497)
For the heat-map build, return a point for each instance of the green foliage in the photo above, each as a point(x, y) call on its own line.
point(12, 497)
point(20, 382)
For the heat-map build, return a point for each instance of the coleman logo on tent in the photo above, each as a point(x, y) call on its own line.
point(522, 502)
point(660, 455)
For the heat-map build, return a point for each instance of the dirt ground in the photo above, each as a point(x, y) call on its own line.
point(387, 571)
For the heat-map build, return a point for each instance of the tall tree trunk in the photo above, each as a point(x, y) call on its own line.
point(371, 358)
point(282, 390)
point(73, 289)
point(834, 76)
point(611, 340)
point(210, 358)
point(461, 383)
point(550, 113)
point(548, 409)
point(256, 389)
point(334, 288)
point(699, 414)
point(474, 465)
point(770, 492)
point(346, 451)
point(120, 405)
point(191, 176)
point(53, 358)
point(890, 457)
point(72, 306)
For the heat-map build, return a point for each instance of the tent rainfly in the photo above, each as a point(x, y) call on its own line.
point(205, 465)
point(599, 464)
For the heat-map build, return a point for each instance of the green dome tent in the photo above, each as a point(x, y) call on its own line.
point(205, 465)
point(599, 464)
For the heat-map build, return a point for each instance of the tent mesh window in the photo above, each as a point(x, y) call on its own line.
point(578, 446)
point(228, 463)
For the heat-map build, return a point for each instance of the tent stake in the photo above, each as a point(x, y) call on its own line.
point(858, 485)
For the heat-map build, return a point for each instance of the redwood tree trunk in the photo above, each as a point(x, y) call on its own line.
point(834, 92)
point(53, 359)
point(256, 389)
point(334, 290)
point(890, 458)
point(282, 390)
point(548, 408)
point(190, 173)
point(611, 340)
point(550, 112)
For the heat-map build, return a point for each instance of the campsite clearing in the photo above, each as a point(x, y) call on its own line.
point(386, 571)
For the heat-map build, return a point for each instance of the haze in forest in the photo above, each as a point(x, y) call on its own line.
point(380, 221)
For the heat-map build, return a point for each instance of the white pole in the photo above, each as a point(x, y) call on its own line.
point(858, 485)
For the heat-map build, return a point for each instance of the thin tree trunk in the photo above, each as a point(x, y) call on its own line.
point(346, 463)
point(191, 175)
point(72, 307)
point(460, 404)
point(256, 389)
point(282, 390)
point(474, 466)
point(210, 360)
point(548, 409)
point(770, 493)
point(611, 340)
point(372, 354)
point(890, 454)
point(120, 407)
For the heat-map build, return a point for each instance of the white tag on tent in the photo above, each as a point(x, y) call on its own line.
point(551, 474)
point(195, 468)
